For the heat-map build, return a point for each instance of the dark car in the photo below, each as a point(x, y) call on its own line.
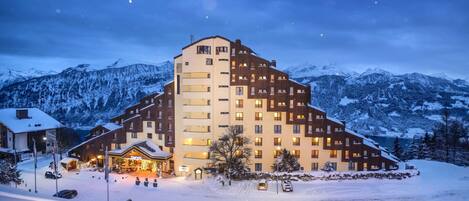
point(67, 194)
point(287, 186)
point(51, 175)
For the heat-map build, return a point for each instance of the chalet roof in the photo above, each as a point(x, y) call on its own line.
point(111, 126)
point(37, 121)
point(147, 147)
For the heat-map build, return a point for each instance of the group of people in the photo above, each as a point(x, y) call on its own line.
point(146, 182)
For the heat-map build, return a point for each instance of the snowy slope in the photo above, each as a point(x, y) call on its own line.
point(10, 75)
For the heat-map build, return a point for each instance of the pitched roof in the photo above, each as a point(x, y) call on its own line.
point(111, 126)
point(37, 121)
point(147, 147)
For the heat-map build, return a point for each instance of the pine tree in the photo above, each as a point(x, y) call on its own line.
point(397, 151)
point(286, 162)
point(413, 151)
point(9, 173)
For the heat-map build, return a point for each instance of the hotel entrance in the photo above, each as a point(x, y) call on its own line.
point(141, 158)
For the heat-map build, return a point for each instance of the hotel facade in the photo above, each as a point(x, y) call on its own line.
point(220, 83)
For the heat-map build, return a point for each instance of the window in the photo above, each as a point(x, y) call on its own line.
point(160, 136)
point(239, 91)
point(310, 129)
point(296, 141)
point(291, 91)
point(203, 49)
point(221, 49)
point(351, 166)
point(328, 141)
point(133, 135)
point(258, 103)
point(239, 103)
point(277, 141)
point(296, 153)
point(258, 129)
point(314, 166)
point(333, 154)
point(209, 61)
point(258, 116)
point(296, 128)
point(239, 116)
point(272, 91)
point(258, 167)
point(239, 128)
point(148, 114)
point(365, 166)
point(315, 141)
point(149, 135)
point(131, 125)
point(300, 116)
point(277, 116)
point(278, 129)
point(346, 155)
point(277, 153)
point(149, 124)
point(258, 154)
point(258, 141)
point(314, 153)
point(347, 142)
point(356, 155)
point(291, 103)
point(328, 129)
point(253, 91)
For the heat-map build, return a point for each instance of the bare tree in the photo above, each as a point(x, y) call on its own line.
point(230, 152)
point(286, 162)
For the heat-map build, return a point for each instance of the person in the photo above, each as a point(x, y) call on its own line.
point(155, 183)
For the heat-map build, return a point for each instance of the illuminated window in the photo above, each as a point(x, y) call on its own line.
point(258, 116)
point(328, 141)
point(296, 141)
point(314, 153)
point(277, 153)
point(258, 154)
point(277, 116)
point(239, 103)
point(258, 141)
point(258, 103)
point(277, 141)
point(315, 141)
point(296, 153)
point(333, 154)
point(239, 116)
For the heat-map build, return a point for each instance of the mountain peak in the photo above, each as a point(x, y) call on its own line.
point(370, 71)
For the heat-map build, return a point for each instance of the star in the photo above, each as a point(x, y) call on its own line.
point(58, 11)
point(130, 1)
point(376, 2)
point(206, 17)
point(322, 35)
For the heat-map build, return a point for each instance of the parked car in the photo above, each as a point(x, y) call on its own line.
point(51, 175)
point(262, 185)
point(67, 194)
point(287, 186)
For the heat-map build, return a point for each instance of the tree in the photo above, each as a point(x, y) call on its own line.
point(66, 137)
point(286, 162)
point(446, 131)
point(413, 151)
point(9, 173)
point(456, 130)
point(397, 151)
point(230, 152)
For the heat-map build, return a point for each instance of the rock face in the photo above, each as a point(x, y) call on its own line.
point(80, 97)
point(375, 102)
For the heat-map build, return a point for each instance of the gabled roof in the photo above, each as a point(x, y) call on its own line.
point(37, 121)
point(210, 37)
point(147, 148)
point(111, 126)
point(91, 139)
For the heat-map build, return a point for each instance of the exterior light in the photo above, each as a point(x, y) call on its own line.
point(44, 138)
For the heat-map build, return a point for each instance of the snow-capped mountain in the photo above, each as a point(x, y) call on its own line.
point(81, 96)
point(374, 102)
point(377, 102)
point(10, 75)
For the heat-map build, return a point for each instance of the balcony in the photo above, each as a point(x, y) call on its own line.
point(195, 88)
point(197, 155)
point(196, 142)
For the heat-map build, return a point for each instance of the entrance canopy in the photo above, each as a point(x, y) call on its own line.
point(144, 149)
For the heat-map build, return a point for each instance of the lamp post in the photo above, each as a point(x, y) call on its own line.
point(276, 167)
point(35, 164)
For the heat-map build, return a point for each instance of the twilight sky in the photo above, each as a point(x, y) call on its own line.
point(428, 36)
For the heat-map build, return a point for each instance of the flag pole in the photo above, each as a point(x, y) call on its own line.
point(106, 172)
point(55, 170)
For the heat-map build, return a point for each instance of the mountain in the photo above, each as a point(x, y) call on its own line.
point(377, 102)
point(9, 75)
point(81, 96)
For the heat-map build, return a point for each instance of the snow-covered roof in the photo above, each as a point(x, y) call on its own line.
point(389, 156)
point(130, 118)
point(91, 139)
point(370, 143)
point(37, 121)
point(147, 146)
point(111, 126)
point(335, 120)
point(316, 108)
point(353, 133)
point(147, 106)
point(68, 160)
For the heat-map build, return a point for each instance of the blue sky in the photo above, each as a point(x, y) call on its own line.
point(429, 36)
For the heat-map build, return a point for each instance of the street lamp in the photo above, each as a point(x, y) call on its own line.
point(276, 173)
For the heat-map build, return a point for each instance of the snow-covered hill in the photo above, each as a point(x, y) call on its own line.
point(377, 102)
point(81, 96)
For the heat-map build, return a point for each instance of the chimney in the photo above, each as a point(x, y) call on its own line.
point(238, 42)
point(22, 113)
point(343, 122)
point(273, 63)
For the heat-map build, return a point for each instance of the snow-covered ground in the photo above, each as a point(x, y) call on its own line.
point(438, 181)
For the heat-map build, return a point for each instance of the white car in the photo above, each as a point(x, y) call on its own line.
point(262, 185)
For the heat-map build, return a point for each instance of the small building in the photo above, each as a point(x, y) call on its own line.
point(19, 127)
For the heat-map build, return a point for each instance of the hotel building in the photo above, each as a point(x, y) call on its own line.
point(220, 83)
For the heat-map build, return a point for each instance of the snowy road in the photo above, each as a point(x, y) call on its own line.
point(438, 181)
